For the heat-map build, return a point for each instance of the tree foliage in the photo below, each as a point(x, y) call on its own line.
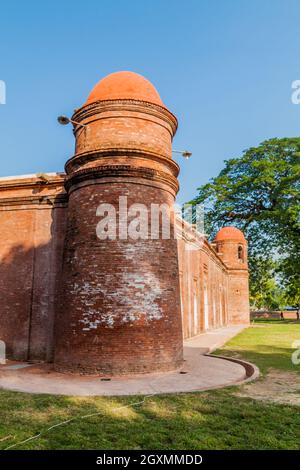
point(265, 291)
point(260, 194)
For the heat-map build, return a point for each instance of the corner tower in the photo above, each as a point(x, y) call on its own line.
point(231, 247)
point(119, 302)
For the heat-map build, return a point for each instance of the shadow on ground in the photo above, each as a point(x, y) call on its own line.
point(208, 420)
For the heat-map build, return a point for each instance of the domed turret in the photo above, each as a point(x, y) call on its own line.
point(231, 246)
point(119, 305)
point(124, 86)
point(123, 112)
point(230, 233)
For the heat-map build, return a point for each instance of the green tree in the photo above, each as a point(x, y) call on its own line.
point(260, 193)
point(265, 290)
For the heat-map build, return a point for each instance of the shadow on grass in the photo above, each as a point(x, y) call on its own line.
point(263, 356)
point(266, 343)
point(208, 420)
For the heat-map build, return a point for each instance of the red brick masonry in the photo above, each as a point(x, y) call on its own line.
point(111, 306)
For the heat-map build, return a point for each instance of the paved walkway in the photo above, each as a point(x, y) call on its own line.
point(214, 339)
point(199, 372)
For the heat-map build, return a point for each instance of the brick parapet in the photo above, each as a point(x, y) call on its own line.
point(32, 191)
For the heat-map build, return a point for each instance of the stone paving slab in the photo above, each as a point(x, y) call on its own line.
point(199, 372)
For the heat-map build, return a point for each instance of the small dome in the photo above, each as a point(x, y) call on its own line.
point(230, 233)
point(124, 85)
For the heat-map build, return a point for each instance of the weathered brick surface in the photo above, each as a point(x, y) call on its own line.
point(120, 302)
point(120, 298)
point(32, 235)
point(231, 247)
point(213, 281)
point(203, 285)
point(111, 306)
point(32, 230)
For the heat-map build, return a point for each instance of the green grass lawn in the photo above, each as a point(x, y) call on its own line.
point(268, 343)
point(208, 420)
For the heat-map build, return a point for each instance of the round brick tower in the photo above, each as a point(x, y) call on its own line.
point(231, 246)
point(119, 304)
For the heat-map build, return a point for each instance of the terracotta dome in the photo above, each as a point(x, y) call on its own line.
point(230, 233)
point(124, 85)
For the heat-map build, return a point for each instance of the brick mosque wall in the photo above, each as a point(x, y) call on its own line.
point(119, 306)
point(33, 217)
point(32, 226)
point(203, 284)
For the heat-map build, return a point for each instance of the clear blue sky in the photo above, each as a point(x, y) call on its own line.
point(224, 67)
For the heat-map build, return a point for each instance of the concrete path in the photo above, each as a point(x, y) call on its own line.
point(199, 372)
point(214, 339)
